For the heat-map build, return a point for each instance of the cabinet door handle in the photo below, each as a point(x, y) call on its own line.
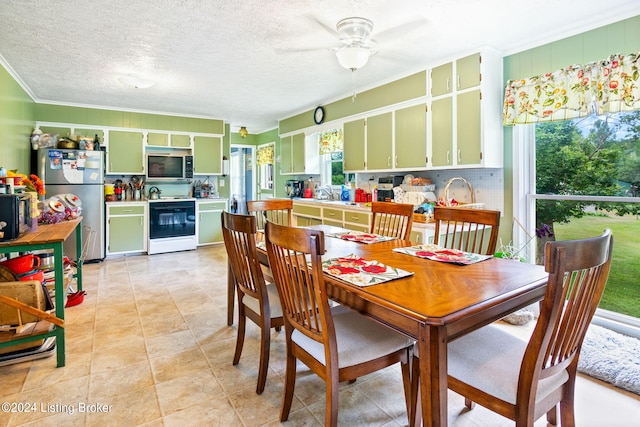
point(459, 156)
point(331, 214)
point(396, 163)
point(355, 218)
point(448, 84)
point(388, 160)
point(458, 81)
point(448, 156)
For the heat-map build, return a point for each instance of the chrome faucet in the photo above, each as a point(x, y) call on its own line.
point(326, 190)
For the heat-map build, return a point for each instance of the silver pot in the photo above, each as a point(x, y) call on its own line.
point(46, 259)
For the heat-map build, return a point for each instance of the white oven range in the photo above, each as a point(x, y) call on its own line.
point(172, 225)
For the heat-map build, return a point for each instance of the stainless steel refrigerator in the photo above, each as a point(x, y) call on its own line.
point(81, 173)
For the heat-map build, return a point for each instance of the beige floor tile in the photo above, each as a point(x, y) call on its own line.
point(112, 382)
point(193, 389)
point(171, 366)
point(175, 342)
point(128, 408)
point(215, 412)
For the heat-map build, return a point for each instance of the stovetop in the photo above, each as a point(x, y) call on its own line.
point(172, 198)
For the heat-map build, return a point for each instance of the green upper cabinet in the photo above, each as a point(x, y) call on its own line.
point(380, 141)
point(353, 153)
point(298, 153)
point(285, 155)
point(466, 128)
point(468, 72)
point(469, 145)
point(442, 132)
point(180, 141)
point(441, 79)
point(410, 137)
point(207, 155)
point(125, 152)
point(157, 139)
point(293, 154)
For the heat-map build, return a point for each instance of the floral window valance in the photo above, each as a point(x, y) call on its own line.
point(331, 141)
point(608, 86)
point(264, 155)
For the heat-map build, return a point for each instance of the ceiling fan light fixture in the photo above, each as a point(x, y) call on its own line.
point(353, 57)
point(243, 132)
point(354, 31)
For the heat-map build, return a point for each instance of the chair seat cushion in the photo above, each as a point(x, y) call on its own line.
point(489, 359)
point(274, 302)
point(359, 339)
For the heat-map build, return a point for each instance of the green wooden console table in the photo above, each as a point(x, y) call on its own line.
point(50, 236)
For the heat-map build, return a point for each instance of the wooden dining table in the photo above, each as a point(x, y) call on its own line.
point(439, 302)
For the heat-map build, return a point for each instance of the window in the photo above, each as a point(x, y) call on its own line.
point(264, 161)
point(582, 176)
point(331, 168)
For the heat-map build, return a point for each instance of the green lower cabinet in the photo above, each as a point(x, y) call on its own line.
point(210, 222)
point(305, 221)
point(126, 229)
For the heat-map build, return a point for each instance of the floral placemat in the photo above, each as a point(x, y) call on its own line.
point(437, 253)
point(360, 237)
point(361, 272)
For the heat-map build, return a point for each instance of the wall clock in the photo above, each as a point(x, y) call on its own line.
point(318, 115)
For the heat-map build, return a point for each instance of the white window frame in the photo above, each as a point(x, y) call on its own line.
point(524, 205)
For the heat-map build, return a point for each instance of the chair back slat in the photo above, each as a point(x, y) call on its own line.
point(469, 230)
point(239, 232)
point(391, 219)
point(274, 210)
point(294, 256)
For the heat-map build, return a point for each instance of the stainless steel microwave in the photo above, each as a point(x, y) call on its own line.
point(169, 166)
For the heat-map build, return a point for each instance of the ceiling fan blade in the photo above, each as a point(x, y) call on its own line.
point(400, 31)
point(329, 29)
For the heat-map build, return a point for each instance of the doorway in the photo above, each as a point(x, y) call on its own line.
point(242, 176)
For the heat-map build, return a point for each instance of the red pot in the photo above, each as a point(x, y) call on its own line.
point(22, 264)
point(33, 275)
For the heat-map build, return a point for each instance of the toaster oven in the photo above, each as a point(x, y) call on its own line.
point(15, 215)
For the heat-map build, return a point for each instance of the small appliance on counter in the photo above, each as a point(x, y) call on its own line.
point(295, 188)
point(15, 215)
point(385, 187)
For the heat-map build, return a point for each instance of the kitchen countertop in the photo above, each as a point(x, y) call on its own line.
point(333, 203)
point(124, 202)
point(354, 206)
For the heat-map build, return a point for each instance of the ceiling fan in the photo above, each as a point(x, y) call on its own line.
point(356, 42)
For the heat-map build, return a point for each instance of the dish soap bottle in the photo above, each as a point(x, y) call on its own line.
point(344, 196)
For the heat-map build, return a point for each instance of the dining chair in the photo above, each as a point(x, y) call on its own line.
point(276, 210)
point(469, 230)
point(391, 219)
point(523, 380)
point(257, 300)
point(336, 343)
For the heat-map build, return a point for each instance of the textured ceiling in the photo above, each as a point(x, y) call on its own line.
point(252, 62)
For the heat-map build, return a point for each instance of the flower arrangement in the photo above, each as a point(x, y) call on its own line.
point(33, 183)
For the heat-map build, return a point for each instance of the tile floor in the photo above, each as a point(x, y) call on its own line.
point(150, 345)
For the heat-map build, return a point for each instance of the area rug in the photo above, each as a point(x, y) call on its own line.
point(611, 357)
